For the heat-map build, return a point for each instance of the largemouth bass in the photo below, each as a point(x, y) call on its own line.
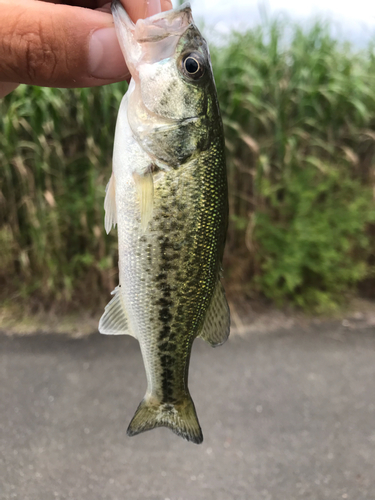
point(168, 196)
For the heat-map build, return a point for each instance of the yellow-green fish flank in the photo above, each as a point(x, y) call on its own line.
point(168, 196)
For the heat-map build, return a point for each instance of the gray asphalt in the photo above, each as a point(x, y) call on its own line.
point(288, 415)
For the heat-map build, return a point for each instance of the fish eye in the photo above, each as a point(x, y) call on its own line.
point(193, 65)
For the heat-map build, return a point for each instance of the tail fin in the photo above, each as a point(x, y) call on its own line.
point(181, 418)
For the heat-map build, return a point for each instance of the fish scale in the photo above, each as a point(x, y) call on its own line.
point(178, 284)
point(168, 195)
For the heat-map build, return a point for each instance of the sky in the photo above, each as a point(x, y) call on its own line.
point(355, 17)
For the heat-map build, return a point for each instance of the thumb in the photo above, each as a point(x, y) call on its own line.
point(58, 45)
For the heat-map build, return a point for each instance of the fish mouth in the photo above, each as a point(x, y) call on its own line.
point(151, 39)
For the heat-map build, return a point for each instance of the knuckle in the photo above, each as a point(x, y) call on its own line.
point(32, 55)
point(40, 59)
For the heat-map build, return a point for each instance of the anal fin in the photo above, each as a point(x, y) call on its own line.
point(216, 324)
point(114, 320)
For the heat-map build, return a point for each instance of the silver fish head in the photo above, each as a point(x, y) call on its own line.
point(172, 95)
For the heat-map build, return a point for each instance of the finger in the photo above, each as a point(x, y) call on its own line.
point(141, 10)
point(166, 5)
point(106, 7)
point(58, 45)
point(91, 4)
point(63, 46)
point(6, 88)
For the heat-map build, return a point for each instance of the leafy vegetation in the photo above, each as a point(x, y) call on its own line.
point(299, 116)
point(299, 121)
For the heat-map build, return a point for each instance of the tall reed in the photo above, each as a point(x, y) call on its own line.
point(299, 115)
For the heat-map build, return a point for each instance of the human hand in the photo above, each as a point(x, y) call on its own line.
point(52, 44)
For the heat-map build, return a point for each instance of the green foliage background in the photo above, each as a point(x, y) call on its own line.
point(299, 116)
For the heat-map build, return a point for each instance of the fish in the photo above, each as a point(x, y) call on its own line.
point(168, 196)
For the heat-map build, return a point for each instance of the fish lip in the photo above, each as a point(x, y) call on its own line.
point(119, 12)
point(146, 40)
point(186, 6)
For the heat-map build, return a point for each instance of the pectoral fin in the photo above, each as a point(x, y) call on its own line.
point(145, 188)
point(114, 320)
point(110, 205)
point(216, 325)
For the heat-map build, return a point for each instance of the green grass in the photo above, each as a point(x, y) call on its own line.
point(299, 115)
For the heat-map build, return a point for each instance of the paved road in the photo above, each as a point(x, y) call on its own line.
point(288, 415)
